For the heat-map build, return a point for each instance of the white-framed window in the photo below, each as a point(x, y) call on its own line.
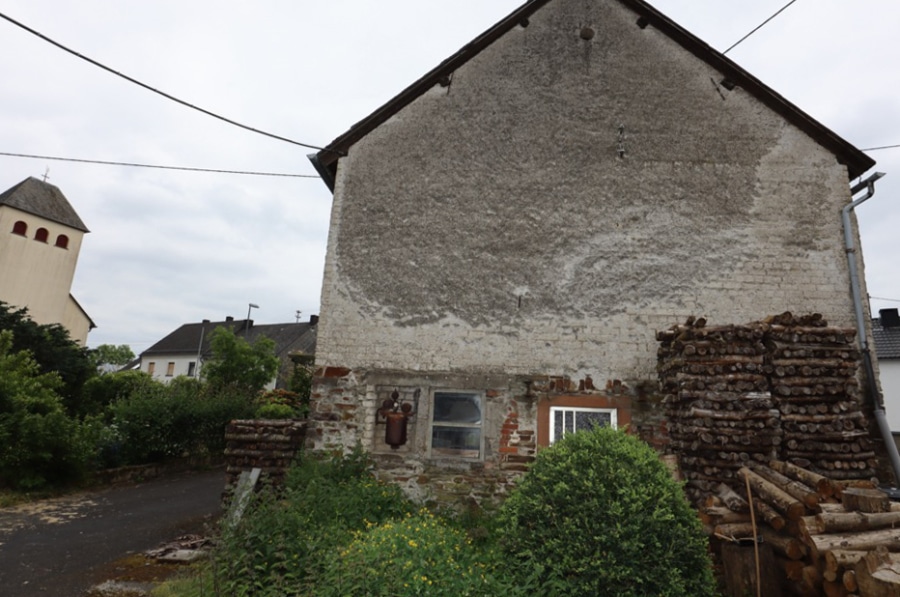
point(456, 424)
point(569, 419)
point(170, 369)
point(192, 368)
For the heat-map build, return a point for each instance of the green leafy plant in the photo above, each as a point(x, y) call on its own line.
point(275, 411)
point(598, 513)
point(40, 444)
point(283, 541)
point(419, 554)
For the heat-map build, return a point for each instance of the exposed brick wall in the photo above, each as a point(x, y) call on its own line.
point(515, 411)
point(270, 445)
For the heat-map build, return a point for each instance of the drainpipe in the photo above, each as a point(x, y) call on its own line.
point(874, 394)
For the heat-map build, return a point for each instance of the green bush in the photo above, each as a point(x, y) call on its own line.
point(40, 444)
point(418, 555)
point(275, 411)
point(598, 513)
point(157, 421)
point(281, 546)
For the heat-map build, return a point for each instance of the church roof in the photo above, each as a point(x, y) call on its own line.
point(42, 199)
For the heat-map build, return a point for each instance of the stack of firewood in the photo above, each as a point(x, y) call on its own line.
point(720, 413)
point(825, 536)
point(781, 388)
point(814, 370)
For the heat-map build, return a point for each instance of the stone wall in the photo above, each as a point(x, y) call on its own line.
point(268, 444)
point(515, 416)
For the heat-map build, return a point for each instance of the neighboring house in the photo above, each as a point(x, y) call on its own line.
point(886, 335)
point(510, 232)
point(182, 352)
point(40, 238)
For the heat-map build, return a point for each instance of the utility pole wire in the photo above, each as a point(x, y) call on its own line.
point(134, 165)
point(154, 90)
point(760, 26)
point(882, 147)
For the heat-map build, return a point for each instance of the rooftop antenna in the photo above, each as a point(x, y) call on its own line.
point(298, 315)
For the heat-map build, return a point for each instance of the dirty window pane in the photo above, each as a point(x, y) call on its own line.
point(456, 441)
point(451, 407)
point(456, 424)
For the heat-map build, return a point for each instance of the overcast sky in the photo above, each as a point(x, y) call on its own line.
point(168, 248)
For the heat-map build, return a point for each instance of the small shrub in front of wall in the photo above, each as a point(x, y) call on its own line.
point(286, 400)
point(417, 555)
point(284, 540)
point(599, 514)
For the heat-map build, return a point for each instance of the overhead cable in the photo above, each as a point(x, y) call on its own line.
point(135, 165)
point(153, 89)
point(758, 27)
point(882, 147)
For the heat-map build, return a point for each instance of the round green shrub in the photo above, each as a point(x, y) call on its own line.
point(417, 555)
point(599, 514)
point(275, 411)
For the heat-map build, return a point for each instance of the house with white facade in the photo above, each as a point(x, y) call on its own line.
point(40, 239)
point(182, 352)
point(886, 335)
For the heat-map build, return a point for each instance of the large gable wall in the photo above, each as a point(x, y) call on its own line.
point(492, 225)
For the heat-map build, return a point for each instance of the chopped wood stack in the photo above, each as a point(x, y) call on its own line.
point(829, 536)
point(814, 381)
point(270, 445)
point(781, 388)
point(720, 412)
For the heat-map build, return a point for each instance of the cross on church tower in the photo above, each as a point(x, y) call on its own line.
point(46, 174)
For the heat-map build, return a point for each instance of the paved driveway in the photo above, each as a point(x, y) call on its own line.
point(59, 547)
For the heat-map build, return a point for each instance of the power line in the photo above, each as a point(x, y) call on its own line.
point(153, 89)
point(758, 27)
point(878, 298)
point(135, 165)
point(882, 147)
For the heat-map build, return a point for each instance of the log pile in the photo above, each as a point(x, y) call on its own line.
point(781, 388)
point(720, 412)
point(270, 445)
point(829, 536)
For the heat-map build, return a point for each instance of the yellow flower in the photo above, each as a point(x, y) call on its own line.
point(413, 543)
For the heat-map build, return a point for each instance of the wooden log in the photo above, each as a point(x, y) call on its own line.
point(822, 484)
point(834, 588)
point(793, 569)
point(735, 531)
point(849, 581)
point(791, 507)
point(768, 514)
point(840, 485)
point(846, 559)
point(798, 490)
point(867, 540)
point(833, 522)
point(865, 500)
point(721, 515)
point(731, 499)
point(877, 575)
point(790, 547)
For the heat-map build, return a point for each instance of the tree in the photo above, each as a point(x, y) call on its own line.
point(110, 354)
point(39, 443)
point(52, 349)
point(237, 364)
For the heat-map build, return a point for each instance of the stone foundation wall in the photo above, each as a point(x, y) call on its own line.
point(268, 444)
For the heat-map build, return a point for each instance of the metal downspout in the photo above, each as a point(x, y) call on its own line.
point(874, 394)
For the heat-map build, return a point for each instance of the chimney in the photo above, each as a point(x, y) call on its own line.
point(313, 319)
point(205, 321)
point(229, 318)
point(890, 318)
